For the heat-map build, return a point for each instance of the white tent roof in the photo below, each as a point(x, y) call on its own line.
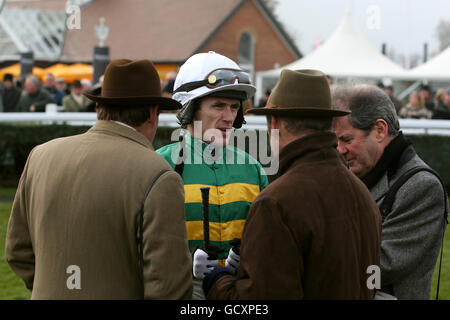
point(346, 54)
point(436, 69)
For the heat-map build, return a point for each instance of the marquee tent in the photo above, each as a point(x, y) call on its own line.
point(79, 71)
point(15, 71)
point(436, 69)
point(346, 54)
point(56, 69)
point(72, 72)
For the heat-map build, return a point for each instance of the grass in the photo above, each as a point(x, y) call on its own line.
point(13, 288)
point(7, 192)
point(444, 286)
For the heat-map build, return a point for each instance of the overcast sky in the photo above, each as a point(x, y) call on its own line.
point(380, 21)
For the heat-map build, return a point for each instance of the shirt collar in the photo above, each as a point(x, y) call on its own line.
point(124, 124)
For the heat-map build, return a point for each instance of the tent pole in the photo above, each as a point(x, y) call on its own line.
point(259, 88)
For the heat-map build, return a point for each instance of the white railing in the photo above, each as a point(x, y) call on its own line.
point(431, 127)
point(408, 126)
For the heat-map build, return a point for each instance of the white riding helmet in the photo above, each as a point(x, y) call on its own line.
point(210, 74)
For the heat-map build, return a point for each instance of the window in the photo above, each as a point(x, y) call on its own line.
point(246, 52)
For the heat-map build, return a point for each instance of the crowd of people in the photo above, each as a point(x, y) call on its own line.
point(422, 104)
point(33, 94)
point(351, 195)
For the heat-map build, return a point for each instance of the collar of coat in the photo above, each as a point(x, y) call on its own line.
point(324, 143)
point(112, 128)
point(201, 152)
point(390, 160)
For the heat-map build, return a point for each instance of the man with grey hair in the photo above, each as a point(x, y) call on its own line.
point(50, 86)
point(34, 98)
point(371, 142)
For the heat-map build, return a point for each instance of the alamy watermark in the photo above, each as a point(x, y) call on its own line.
point(373, 21)
point(74, 280)
point(257, 142)
point(73, 19)
point(374, 280)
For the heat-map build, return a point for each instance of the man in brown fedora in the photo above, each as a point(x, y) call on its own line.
point(314, 232)
point(100, 215)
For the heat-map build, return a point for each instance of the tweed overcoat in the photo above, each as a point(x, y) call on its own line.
point(74, 225)
point(311, 234)
point(412, 231)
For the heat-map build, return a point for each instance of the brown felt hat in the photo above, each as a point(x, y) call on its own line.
point(303, 93)
point(134, 83)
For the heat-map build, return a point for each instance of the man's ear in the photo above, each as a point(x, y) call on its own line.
point(275, 122)
point(381, 130)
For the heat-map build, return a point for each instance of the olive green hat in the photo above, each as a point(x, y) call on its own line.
point(303, 93)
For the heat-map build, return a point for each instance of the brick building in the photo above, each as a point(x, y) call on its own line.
point(168, 31)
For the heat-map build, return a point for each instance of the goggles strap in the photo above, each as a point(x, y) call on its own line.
point(191, 85)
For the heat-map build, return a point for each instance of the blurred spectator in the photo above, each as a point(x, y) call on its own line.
point(415, 109)
point(442, 110)
point(10, 94)
point(439, 97)
point(50, 86)
point(76, 101)
point(330, 80)
point(389, 90)
point(86, 84)
point(61, 85)
point(19, 84)
point(34, 98)
point(168, 88)
point(262, 102)
point(425, 94)
point(96, 90)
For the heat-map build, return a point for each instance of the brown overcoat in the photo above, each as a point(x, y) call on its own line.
point(77, 206)
point(311, 234)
